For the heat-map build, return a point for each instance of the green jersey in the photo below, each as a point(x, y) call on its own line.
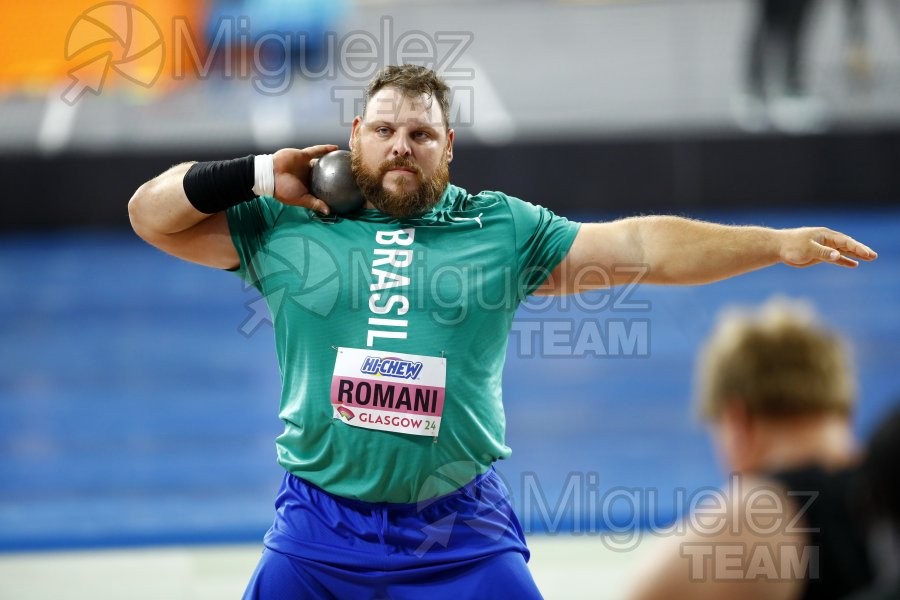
point(391, 334)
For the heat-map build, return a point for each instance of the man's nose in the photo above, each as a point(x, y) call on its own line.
point(401, 146)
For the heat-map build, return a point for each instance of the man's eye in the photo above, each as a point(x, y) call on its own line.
point(382, 131)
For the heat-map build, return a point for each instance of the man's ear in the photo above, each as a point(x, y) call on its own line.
point(450, 136)
point(354, 129)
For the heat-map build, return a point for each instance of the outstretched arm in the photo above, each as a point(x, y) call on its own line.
point(675, 250)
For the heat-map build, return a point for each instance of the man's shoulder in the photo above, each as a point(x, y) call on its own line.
point(458, 199)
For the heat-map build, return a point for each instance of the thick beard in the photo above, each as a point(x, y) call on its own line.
point(412, 200)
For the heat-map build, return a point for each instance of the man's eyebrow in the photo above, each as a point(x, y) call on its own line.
point(411, 122)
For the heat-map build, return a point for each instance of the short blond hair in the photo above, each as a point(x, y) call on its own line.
point(778, 361)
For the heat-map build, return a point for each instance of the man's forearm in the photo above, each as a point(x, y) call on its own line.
point(685, 251)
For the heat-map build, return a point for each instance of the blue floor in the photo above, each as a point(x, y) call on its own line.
point(134, 410)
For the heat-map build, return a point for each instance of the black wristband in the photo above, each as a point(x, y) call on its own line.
point(216, 185)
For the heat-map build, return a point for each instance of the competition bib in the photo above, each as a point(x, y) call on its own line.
point(389, 391)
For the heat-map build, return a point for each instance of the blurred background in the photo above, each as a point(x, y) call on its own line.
point(138, 394)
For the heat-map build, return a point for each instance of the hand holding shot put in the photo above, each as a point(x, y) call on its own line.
point(293, 173)
point(370, 466)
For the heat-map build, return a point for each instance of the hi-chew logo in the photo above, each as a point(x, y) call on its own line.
point(391, 367)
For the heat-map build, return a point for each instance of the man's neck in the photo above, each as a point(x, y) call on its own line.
point(826, 441)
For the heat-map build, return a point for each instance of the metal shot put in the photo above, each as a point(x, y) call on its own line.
point(333, 181)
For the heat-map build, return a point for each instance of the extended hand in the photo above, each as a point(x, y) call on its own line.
point(292, 174)
point(809, 245)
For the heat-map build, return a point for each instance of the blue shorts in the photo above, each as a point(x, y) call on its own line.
point(467, 544)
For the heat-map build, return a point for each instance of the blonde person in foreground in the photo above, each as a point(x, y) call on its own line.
point(391, 399)
point(778, 391)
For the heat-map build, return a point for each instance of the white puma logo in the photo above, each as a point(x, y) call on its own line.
point(476, 219)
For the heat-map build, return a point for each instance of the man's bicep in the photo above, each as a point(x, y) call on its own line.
point(207, 243)
point(602, 255)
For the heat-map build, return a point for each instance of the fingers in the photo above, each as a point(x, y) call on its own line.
point(316, 204)
point(846, 262)
point(826, 254)
point(290, 160)
point(292, 173)
point(308, 201)
point(836, 248)
point(319, 150)
point(847, 245)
